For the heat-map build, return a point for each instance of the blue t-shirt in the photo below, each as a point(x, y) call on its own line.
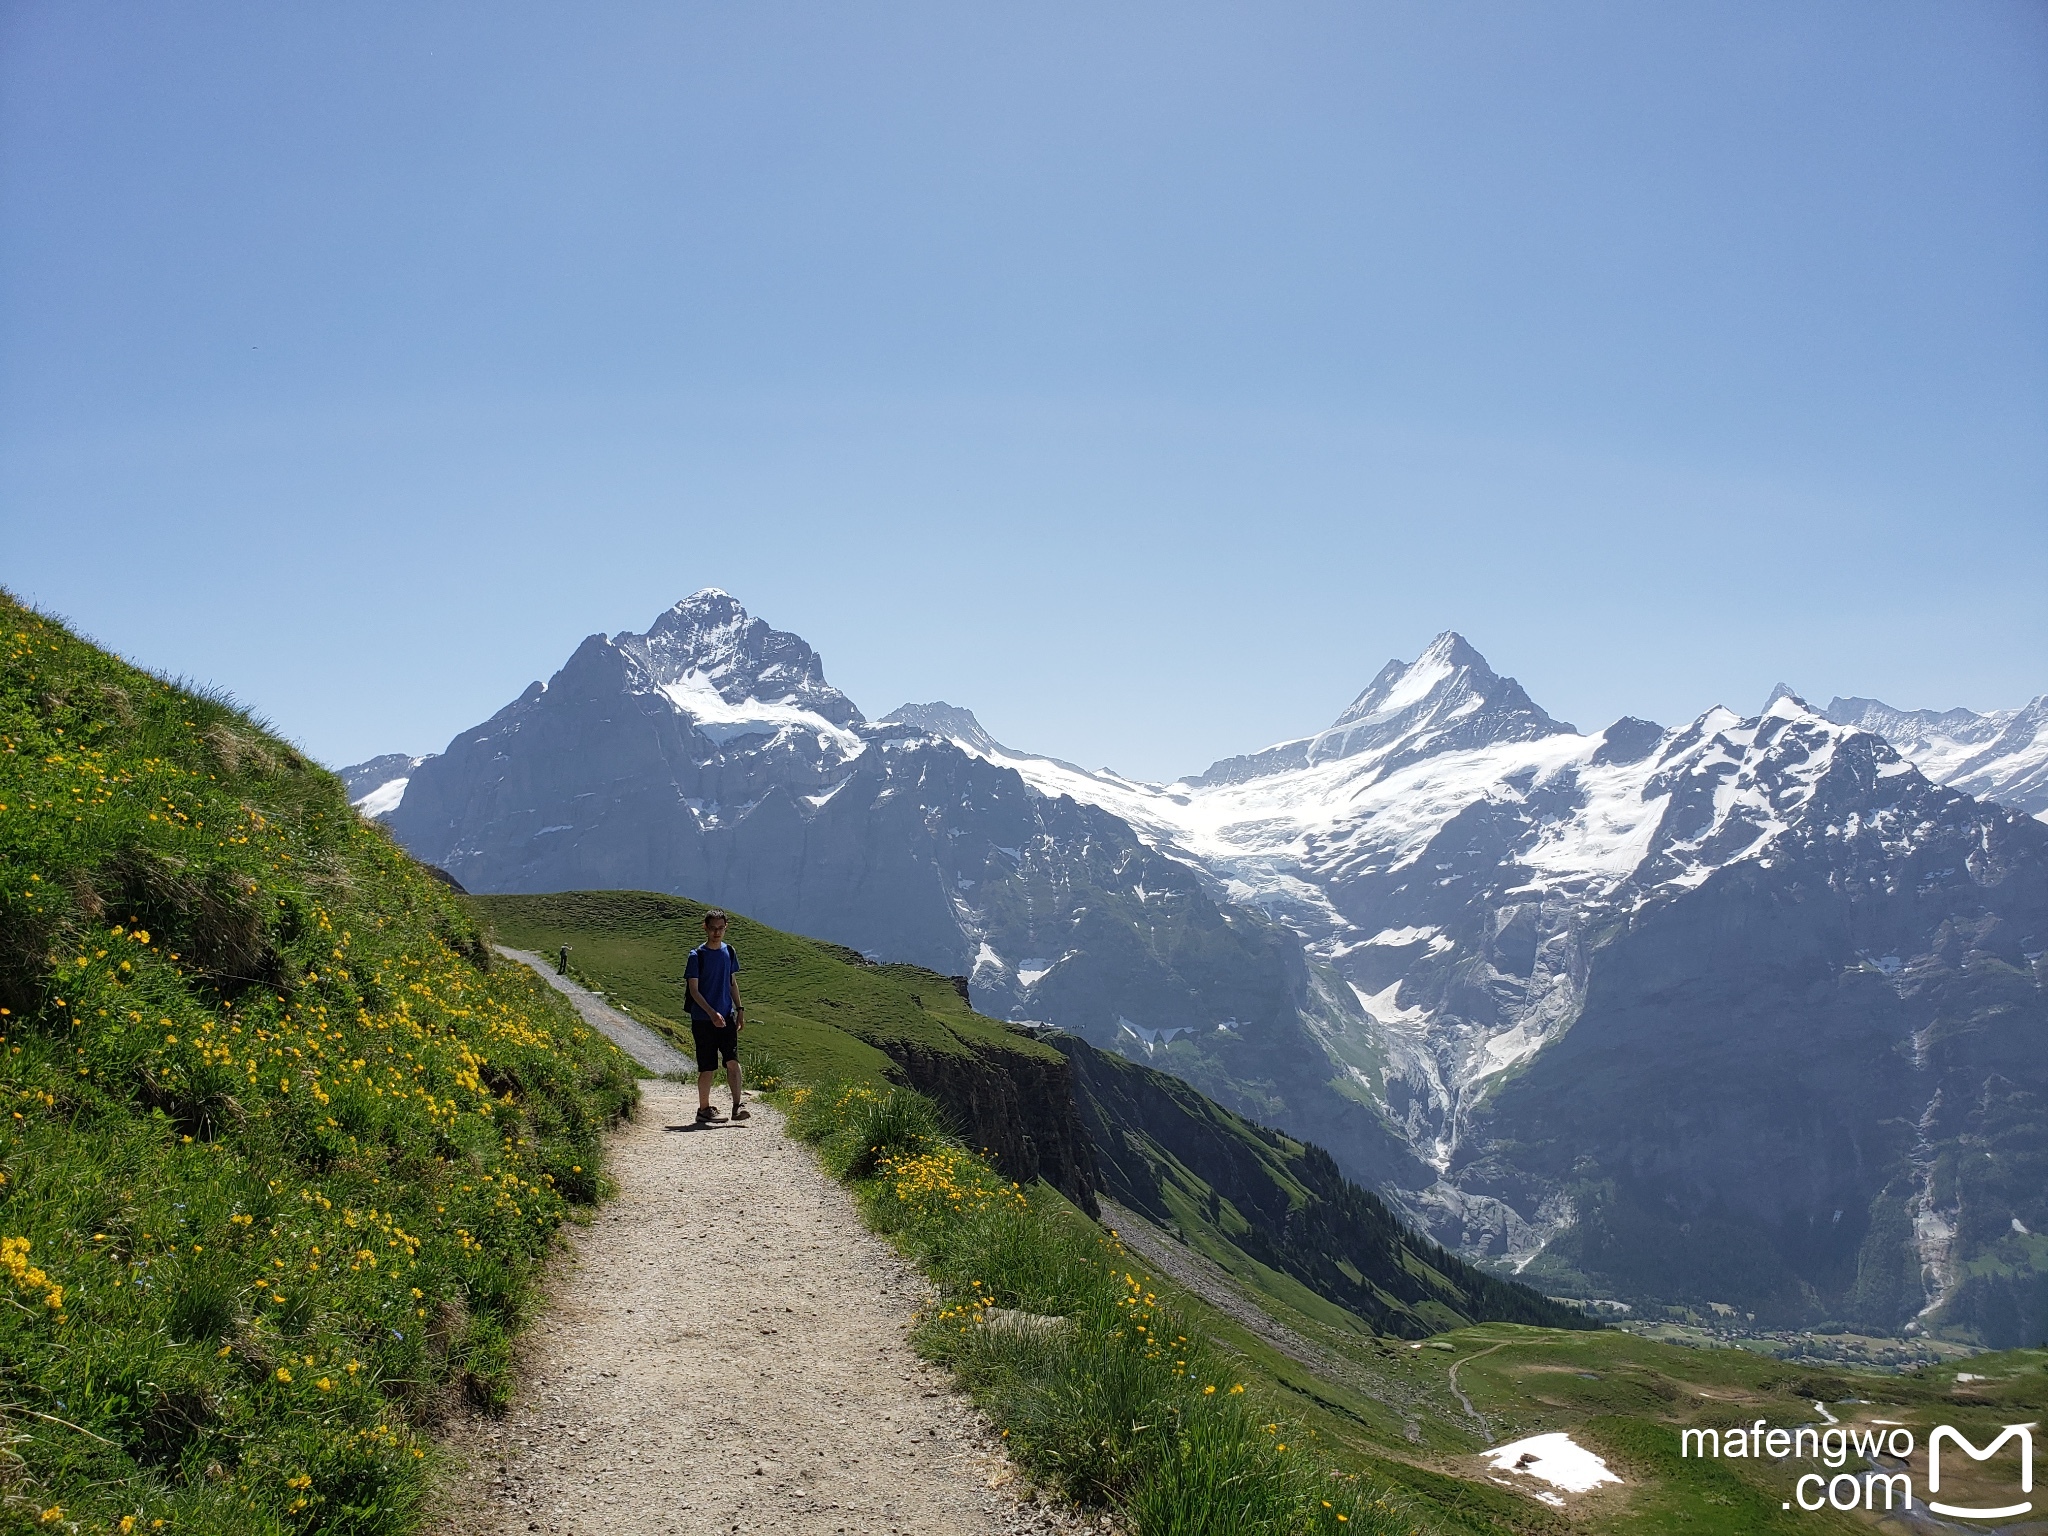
point(712, 970)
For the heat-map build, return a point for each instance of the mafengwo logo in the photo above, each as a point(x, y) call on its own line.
point(2024, 1433)
point(1883, 1476)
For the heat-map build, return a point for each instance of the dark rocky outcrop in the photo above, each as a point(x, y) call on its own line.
point(1019, 1109)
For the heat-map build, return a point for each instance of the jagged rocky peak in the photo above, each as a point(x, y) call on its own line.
point(1628, 740)
point(708, 640)
point(1447, 699)
point(2002, 755)
point(1449, 687)
point(939, 718)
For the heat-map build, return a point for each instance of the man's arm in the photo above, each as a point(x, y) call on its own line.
point(698, 998)
point(695, 996)
point(738, 1007)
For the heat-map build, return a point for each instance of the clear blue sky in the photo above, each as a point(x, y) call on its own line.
point(1141, 376)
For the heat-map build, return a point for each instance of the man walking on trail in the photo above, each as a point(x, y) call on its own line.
point(711, 977)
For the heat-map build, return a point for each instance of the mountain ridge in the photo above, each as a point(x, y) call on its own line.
point(1446, 698)
point(2002, 755)
point(1371, 936)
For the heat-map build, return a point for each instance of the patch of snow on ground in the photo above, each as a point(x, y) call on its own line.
point(383, 800)
point(1557, 1459)
point(1396, 938)
point(1381, 1006)
point(693, 694)
point(1503, 1050)
point(1610, 837)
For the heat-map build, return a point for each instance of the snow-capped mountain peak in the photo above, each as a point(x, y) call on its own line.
point(1730, 786)
point(939, 718)
point(709, 643)
point(1919, 730)
point(1401, 684)
point(1447, 699)
point(2001, 755)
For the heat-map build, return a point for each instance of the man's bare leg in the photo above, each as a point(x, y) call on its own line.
point(732, 1078)
point(704, 1082)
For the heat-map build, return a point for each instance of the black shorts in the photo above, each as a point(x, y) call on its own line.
point(715, 1046)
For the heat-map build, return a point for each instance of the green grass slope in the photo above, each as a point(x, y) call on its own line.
point(1238, 1191)
point(828, 1014)
point(820, 1007)
point(1103, 1388)
point(279, 1148)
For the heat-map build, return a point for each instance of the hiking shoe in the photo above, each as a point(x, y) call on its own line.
point(741, 1114)
point(707, 1115)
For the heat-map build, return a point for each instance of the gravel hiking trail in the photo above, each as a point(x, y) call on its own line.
point(725, 1349)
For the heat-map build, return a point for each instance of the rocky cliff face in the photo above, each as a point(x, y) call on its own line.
point(1021, 1110)
point(1185, 1162)
point(1812, 1085)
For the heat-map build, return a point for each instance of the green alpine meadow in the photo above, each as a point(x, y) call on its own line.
point(282, 1146)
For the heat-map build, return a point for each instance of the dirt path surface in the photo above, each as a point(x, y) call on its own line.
point(726, 1350)
point(629, 1035)
point(1452, 1377)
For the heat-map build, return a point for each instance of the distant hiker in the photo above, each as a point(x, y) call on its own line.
point(563, 968)
point(711, 976)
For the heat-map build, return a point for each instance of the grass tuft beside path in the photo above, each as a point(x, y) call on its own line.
point(279, 1148)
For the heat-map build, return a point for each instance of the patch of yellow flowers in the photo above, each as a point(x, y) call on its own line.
point(948, 1181)
point(14, 1259)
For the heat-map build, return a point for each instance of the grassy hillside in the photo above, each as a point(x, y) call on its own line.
point(820, 1007)
point(1264, 1205)
point(828, 1014)
point(1103, 1389)
point(280, 1147)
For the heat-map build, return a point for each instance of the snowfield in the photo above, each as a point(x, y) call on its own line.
point(1556, 1459)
